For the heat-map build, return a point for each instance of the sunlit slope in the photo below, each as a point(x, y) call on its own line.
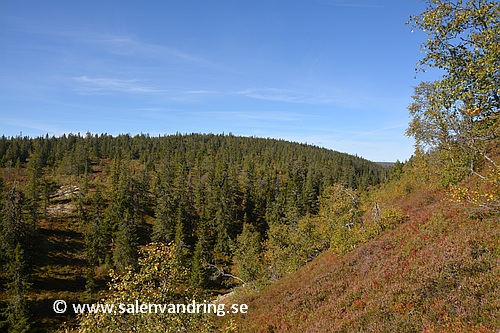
point(438, 272)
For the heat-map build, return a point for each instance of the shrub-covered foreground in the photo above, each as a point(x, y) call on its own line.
point(438, 272)
point(158, 280)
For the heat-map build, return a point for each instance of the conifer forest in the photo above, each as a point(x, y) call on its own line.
point(231, 206)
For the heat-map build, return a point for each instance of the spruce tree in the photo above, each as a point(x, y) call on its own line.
point(164, 222)
point(95, 241)
point(33, 187)
point(125, 251)
point(14, 225)
point(16, 313)
point(197, 278)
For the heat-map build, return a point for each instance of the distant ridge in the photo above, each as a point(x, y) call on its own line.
point(386, 164)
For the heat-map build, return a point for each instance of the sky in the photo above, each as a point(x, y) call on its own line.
point(337, 74)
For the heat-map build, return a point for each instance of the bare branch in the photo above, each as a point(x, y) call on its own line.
point(219, 272)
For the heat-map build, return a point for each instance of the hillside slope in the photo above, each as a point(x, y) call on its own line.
point(438, 272)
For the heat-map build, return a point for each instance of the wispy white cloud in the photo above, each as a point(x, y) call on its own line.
point(115, 44)
point(39, 126)
point(202, 92)
point(341, 97)
point(104, 85)
point(286, 95)
point(128, 45)
point(261, 116)
point(351, 3)
point(368, 132)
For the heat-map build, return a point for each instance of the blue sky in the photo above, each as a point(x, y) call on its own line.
point(333, 73)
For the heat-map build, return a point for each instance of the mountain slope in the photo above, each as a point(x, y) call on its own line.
point(439, 271)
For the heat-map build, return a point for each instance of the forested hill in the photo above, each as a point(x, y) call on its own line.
point(75, 154)
point(183, 179)
point(90, 202)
